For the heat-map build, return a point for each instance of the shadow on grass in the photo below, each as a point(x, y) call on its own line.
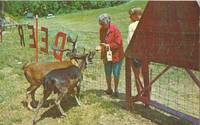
point(119, 102)
point(157, 116)
point(53, 112)
point(45, 105)
point(154, 115)
point(67, 103)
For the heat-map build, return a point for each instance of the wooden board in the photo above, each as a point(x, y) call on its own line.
point(168, 33)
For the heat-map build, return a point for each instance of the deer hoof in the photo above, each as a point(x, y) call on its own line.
point(64, 115)
point(34, 122)
point(34, 103)
point(30, 107)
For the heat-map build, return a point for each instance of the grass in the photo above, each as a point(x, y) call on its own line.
point(97, 108)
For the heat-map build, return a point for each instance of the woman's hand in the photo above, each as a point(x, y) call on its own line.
point(101, 46)
point(104, 44)
point(98, 48)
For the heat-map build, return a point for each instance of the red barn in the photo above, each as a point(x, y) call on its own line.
point(167, 33)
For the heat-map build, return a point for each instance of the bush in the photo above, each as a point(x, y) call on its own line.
point(42, 8)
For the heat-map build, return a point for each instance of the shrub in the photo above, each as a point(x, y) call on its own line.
point(42, 8)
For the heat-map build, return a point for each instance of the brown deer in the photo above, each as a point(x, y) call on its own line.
point(64, 80)
point(34, 73)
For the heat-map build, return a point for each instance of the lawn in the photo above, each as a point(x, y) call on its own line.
point(97, 108)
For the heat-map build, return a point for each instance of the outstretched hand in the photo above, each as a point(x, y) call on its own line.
point(98, 48)
point(101, 46)
point(104, 44)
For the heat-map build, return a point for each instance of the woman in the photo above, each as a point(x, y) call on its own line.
point(111, 45)
point(135, 14)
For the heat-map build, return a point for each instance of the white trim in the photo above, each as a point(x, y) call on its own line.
point(198, 2)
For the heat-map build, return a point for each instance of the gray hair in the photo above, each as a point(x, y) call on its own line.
point(105, 18)
point(135, 10)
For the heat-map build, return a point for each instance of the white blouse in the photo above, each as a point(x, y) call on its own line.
point(131, 30)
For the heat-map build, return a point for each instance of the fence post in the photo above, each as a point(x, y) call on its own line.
point(145, 72)
point(128, 82)
point(36, 38)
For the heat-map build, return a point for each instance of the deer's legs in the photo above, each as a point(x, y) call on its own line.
point(57, 102)
point(77, 100)
point(33, 97)
point(46, 95)
point(76, 94)
point(30, 96)
point(78, 87)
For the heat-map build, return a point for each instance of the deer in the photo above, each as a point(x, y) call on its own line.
point(64, 80)
point(34, 72)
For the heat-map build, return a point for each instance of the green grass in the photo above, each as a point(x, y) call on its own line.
point(97, 108)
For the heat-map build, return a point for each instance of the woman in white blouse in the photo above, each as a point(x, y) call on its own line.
point(135, 15)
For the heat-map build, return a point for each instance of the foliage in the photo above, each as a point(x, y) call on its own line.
point(42, 8)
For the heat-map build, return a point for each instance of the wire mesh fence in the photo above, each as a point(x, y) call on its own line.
point(174, 89)
point(95, 77)
point(177, 90)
